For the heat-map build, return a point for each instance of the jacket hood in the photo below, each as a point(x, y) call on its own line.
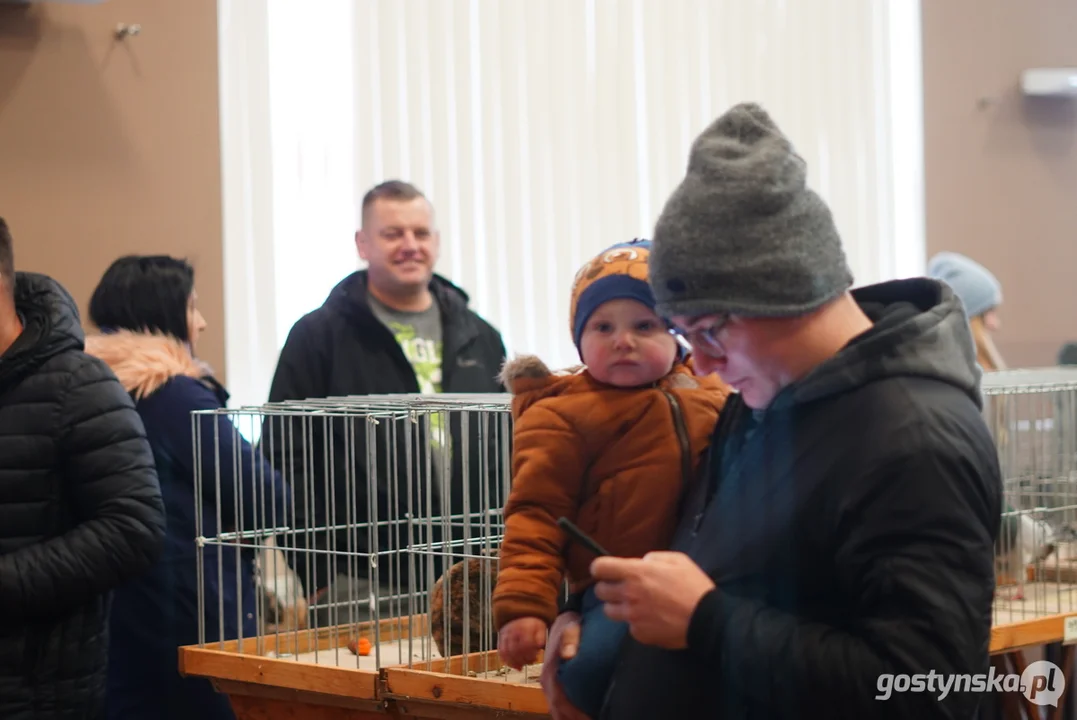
point(529, 380)
point(349, 296)
point(920, 330)
point(143, 362)
point(51, 325)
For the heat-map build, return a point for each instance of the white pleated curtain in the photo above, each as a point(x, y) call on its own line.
point(542, 132)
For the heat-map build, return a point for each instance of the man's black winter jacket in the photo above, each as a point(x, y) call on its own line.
point(850, 530)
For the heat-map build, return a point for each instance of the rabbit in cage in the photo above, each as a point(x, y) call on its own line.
point(286, 602)
point(476, 620)
point(1023, 540)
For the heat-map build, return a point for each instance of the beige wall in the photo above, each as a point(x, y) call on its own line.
point(1001, 170)
point(110, 147)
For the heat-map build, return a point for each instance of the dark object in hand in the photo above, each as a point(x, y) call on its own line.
point(581, 537)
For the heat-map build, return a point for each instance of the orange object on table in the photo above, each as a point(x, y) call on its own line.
point(362, 647)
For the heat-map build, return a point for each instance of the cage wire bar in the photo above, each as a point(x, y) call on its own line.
point(382, 552)
point(1032, 414)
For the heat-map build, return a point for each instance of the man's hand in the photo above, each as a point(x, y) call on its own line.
point(520, 641)
point(562, 645)
point(655, 595)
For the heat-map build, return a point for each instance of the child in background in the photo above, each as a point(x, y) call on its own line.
point(612, 446)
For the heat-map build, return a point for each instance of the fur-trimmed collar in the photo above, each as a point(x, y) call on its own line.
point(144, 362)
point(531, 367)
point(529, 380)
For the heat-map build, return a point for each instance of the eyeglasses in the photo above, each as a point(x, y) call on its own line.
point(706, 337)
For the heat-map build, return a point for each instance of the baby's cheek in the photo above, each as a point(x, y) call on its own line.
point(662, 350)
point(598, 353)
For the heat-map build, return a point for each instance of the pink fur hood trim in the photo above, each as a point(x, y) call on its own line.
point(144, 362)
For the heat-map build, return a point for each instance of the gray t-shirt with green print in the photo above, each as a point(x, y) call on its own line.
point(419, 336)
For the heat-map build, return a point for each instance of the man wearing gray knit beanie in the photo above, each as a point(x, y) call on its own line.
point(843, 534)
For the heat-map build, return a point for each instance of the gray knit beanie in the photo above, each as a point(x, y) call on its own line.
point(974, 284)
point(742, 233)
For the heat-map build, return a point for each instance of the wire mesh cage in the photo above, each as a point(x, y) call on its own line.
point(1032, 414)
point(361, 535)
point(382, 549)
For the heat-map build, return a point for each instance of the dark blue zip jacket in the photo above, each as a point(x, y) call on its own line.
point(158, 612)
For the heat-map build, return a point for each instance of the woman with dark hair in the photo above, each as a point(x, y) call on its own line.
point(146, 308)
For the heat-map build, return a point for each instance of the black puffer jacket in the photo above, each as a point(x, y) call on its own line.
point(80, 510)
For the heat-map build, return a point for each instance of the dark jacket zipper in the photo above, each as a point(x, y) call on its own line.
point(682, 435)
point(686, 483)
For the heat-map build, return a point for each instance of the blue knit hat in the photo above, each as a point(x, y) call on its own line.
point(974, 284)
point(619, 271)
